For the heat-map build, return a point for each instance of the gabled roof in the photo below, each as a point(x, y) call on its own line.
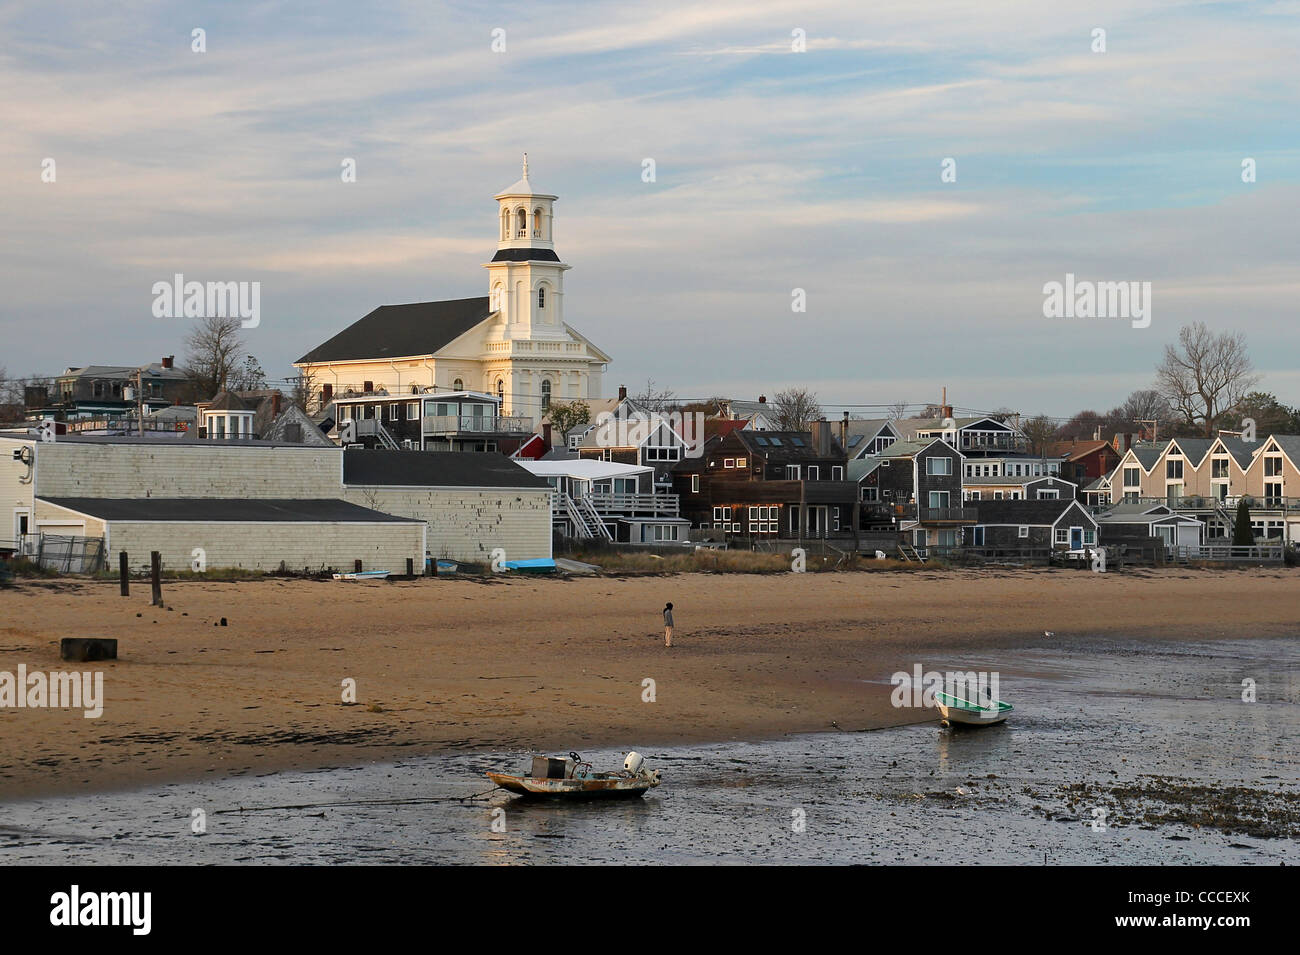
point(1040, 512)
point(402, 331)
point(309, 432)
point(908, 449)
point(1290, 445)
point(227, 401)
point(435, 469)
point(1147, 455)
point(1194, 449)
point(1241, 451)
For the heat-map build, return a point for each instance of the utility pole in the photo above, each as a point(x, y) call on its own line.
point(1155, 427)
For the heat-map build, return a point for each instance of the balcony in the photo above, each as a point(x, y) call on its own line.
point(477, 424)
point(630, 505)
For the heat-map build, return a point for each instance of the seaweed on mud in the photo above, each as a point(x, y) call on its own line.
point(1161, 800)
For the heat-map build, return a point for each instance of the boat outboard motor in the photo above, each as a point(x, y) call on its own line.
point(633, 763)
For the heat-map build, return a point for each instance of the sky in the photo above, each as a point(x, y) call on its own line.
point(796, 146)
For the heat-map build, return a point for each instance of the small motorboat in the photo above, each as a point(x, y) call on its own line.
point(364, 575)
point(540, 565)
point(573, 778)
point(954, 711)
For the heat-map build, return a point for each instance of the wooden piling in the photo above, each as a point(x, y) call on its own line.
point(155, 561)
point(124, 574)
point(356, 566)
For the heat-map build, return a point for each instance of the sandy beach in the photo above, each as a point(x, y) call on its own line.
point(456, 665)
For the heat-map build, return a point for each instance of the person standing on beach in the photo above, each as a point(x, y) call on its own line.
point(668, 625)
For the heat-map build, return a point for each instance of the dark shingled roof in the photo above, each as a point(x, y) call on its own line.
point(435, 469)
point(1037, 512)
point(526, 255)
point(225, 510)
point(400, 331)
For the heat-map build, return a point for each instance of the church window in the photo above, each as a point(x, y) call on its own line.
point(505, 223)
point(522, 230)
point(458, 385)
point(537, 223)
point(501, 391)
point(546, 394)
point(541, 297)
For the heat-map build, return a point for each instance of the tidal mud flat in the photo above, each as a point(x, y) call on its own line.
point(1118, 752)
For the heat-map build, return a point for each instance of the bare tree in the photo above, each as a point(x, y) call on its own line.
point(897, 410)
point(1205, 375)
point(795, 409)
point(214, 353)
point(1039, 431)
point(303, 394)
point(660, 401)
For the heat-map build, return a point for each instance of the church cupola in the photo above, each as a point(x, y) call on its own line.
point(525, 220)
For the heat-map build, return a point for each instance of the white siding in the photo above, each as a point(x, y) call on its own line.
point(70, 469)
point(467, 523)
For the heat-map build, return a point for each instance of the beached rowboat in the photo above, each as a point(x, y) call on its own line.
point(570, 777)
point(363, 575)
point(955, 711)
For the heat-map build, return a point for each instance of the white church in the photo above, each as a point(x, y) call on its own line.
point(512, 343)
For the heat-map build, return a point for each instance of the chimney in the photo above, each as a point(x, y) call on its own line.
point(822, 437)
point(326, 393)
point(169, 361)
point(546, 434)
point(762, 399)
point(844, 431)
point(622, 392)
point(275, 405)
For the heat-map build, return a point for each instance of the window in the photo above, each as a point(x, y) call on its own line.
point(501, 392)
point(541, 296)
point(977, 536)
point(537, 226)
point(792, 472)
point(938, 465)
point(717, 514)
point(1219, 468)
point(1062, 535)
point(814, 472)
point(1174, 469)
point(753, 513)
point(1132, 477)
point(695, 484)
point(871, 493)
point(1023, 531)
point(1048, 495)
point(794, 519)
point(742, 462)
point(546, 394)
point(728, 462)
point(973, 496)
point(412, 411)
point(939, 499)
point(1272, 466)
point(1089, 536)
point(837, 473)
point(997, 495)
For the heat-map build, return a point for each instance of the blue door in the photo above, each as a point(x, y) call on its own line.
point(1076, 538)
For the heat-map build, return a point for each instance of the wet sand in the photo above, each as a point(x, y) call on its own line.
point(501, 665)
point(1117, 752)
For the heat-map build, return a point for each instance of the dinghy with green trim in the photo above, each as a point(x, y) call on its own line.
point(954, 711)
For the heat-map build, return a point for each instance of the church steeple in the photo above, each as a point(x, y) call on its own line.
point(526, 277)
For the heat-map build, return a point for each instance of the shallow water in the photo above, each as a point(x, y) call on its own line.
point(1107, 716)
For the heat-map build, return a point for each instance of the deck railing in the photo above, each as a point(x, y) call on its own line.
point(477, 424)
